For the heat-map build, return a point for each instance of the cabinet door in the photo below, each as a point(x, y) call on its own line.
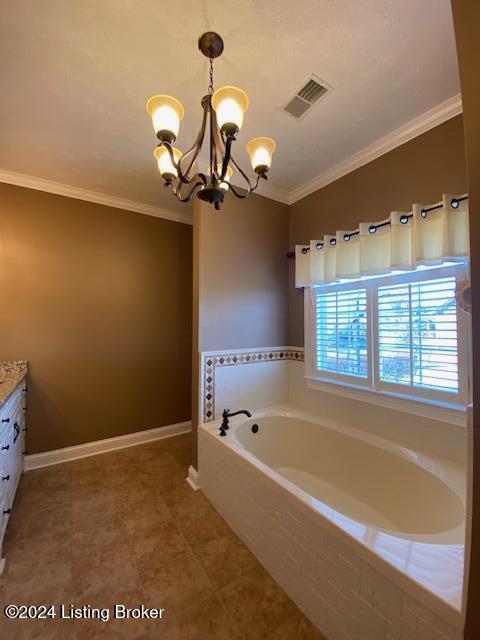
point(4, 480)
point(6, 465)
point(5, 484)
point(16, 451)
point(17, 435)
point(17, 405)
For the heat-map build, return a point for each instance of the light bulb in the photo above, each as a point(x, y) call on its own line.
point(223, 185)
point(164, 162)
point(230, 104)
point(261, 151)
point(166, 113)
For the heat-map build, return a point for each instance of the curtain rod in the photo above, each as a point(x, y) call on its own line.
point(454, 203)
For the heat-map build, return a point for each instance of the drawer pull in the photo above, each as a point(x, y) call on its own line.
point(5, 478)
point(6, 447)
point(5, 511)
point(24, 408)
point(25, 428)
point(17, 431)
point(6, 420)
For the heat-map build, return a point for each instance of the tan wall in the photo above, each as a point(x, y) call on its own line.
point(466, 15)
point(420, 170)
point(98, 300)
point(240, 279)
point(243, 274)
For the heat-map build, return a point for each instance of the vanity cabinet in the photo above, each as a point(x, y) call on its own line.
point(12, 450)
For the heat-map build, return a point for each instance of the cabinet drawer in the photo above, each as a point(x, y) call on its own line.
point(13, 408)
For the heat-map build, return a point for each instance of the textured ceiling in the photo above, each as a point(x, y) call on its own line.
point(75, 77)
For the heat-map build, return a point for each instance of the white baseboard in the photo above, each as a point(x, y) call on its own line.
point(193, 478)
point(57, 456)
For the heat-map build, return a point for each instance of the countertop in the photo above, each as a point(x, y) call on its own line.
point(11, 374)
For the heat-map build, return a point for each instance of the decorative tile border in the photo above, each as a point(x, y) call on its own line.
point(211, 362)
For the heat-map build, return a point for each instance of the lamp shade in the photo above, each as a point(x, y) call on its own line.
point(230, 103)
point(166, 113)
point(164, 162)
point(261, 151)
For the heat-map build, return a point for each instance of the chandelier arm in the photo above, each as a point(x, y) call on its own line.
point(199, 178)
point(197, 145)
point(190, 194)
point(227, 156)
point(248, 192)
point(181, 176)
point(243, 174)
point(217, 137)
point(238, 168)
point(215, 154)
point(213, 166)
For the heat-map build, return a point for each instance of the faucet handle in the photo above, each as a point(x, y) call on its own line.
point(224, 426)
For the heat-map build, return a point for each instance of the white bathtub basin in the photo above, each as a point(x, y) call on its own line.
point(399, 510)
point(370, 481)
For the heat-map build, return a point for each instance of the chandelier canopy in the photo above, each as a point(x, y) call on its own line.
point(223, 113)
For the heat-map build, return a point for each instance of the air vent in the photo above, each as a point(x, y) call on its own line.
point(306, 96)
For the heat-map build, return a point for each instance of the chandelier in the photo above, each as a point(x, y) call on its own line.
point(222, 119)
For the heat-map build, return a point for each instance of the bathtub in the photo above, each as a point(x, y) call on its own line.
point(366, 536)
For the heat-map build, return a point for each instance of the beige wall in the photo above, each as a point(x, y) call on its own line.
point(243, 274)
point(466, 15)
point(240, 278)
point(98, 300)
point(418, 171)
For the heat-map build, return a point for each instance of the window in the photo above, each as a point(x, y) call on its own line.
point(417, 334)
point(341, 332)
point(401, 334)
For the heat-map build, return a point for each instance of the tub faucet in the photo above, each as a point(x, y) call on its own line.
point(226, 415)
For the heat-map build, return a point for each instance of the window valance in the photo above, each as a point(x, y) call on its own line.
point(429, 234)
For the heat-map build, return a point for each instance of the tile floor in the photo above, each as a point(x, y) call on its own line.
point(126, 528)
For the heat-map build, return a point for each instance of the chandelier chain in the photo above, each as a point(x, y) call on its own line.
point(210, 86)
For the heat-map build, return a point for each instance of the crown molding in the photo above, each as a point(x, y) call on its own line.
point(39, 184)
point(428, 120)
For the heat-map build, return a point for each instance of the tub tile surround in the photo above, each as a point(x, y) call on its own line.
point(323, 570)
point(255, 377)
